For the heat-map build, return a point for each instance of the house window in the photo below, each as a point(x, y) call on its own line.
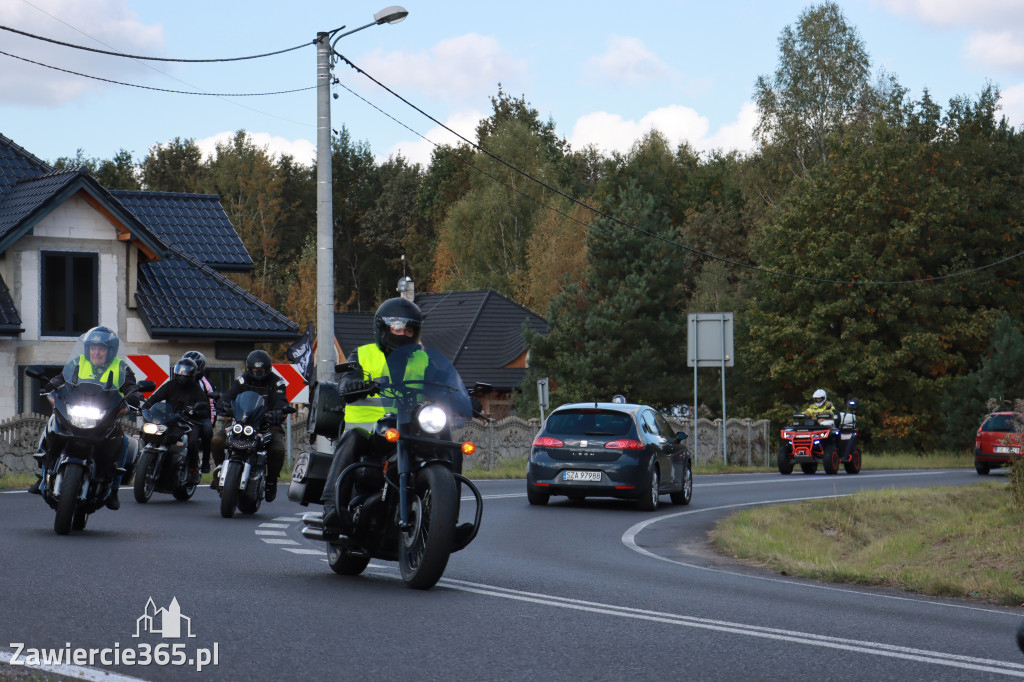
point(70, 293)
point(220, 378)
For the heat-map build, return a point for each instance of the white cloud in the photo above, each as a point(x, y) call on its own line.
point(1012, 100)
point(610, 132)
point(959, 13)
point(626, 61)
point(419, 151)
point(100, 24)
point(302, 151)
point(1000, 50)
point(463, 68)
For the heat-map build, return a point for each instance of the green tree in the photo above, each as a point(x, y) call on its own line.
point(820, 86)
point(621, 330)
point(173, 167)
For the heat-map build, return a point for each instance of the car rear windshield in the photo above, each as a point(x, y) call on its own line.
point(998, 422)
point(589, 423)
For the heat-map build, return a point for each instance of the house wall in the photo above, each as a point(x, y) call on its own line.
point(77, 226)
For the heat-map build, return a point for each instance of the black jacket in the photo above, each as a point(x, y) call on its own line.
point(181, 398)
point(272, 389)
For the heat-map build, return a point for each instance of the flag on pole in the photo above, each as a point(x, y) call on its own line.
point(301, 352)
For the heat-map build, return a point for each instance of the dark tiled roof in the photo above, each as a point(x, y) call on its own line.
point(479, 331)
point(195, 223)
point(181, 298)
point(10, 320)
point(30, 195)
point(17, 164)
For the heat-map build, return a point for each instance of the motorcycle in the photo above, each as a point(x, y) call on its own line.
point(810, 441)
point(242, 477)
point(404, 504)
point(163, 464)
point(83, 440)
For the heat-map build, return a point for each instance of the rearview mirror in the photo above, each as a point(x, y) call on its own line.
point(146, 386)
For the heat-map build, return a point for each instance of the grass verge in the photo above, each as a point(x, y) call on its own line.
point(954, 542)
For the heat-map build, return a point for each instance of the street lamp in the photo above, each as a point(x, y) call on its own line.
point(325, 357)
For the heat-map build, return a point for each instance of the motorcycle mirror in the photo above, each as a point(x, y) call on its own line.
point(289, 410)
point(481, 387)
point(345, 367)
point(146, 386)
point(34, 373)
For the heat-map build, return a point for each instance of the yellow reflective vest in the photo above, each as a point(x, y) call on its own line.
point(87, 371)
point(365, 412)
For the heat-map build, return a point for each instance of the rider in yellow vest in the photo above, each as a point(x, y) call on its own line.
point(99, 362)
point(821, 407)
point(397, 323)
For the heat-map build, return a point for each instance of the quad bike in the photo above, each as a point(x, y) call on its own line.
point(811, 441)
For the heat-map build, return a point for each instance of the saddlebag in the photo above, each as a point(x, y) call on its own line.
point(308, 476)
point(326, 410)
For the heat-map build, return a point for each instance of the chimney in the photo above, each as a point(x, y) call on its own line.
point(407, 289)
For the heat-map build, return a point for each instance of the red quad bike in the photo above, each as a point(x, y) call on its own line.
point(810, 441)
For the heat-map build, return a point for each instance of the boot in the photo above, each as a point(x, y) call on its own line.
point(205, 466)
point(35, 487)
point(270, 494)
point(112, 501)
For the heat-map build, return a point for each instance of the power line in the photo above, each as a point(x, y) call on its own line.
point(149, 87)
point(153, 59)
point(671, 242)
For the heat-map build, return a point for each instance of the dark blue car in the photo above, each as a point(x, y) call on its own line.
point(609, 450)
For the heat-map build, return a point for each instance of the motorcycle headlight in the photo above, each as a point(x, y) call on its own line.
point(237, 428)
point(84, 416)
point(153, 429)
point(248, 430)
point(432, 418)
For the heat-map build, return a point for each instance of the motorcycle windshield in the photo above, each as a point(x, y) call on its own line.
point(248, 407)
point(417, 374)
point(161, 413)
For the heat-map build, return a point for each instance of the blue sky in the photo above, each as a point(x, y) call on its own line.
point(604, 74)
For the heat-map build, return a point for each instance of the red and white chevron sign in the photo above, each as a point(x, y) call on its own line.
point(296, 390)
point(156, 368)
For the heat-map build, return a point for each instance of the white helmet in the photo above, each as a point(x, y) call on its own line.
point(820, 397)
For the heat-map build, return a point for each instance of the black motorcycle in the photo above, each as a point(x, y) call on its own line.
point(83, 432)
point(242, 477)
point(163, 464)
point(404, 504)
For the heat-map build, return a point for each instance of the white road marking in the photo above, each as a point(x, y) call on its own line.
point(76, 671)
point(262, 533)
point(279, 541)
point(303, 550)
point(629, 540)
point(274, 525)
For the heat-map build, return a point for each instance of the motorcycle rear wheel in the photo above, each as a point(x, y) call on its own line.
point(343, 563)
point(423, 551)
point(853, 466)
point(229, 495)
point(70, 488)
point(145, 480)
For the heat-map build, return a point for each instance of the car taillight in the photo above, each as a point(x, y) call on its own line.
point(624, 444)
point(547, 442)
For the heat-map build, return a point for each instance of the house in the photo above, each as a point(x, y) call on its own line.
point(481, 332)
point(148, 265)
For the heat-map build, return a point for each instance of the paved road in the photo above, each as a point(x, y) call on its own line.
point(593, 591)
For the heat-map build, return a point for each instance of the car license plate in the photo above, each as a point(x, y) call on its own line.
point(581, 475)
point(1006, 450)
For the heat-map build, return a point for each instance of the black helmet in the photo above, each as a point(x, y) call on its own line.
point(186, 372)
point(101, 336)
point(198, 358)
point(396, 314)
point(258, 366)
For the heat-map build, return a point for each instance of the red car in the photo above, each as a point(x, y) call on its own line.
point(997, 443)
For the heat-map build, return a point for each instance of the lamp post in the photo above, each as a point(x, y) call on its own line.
point(325, 357)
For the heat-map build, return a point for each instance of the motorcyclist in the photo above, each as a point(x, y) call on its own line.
point(396, 323)
point(99, 362)
point(259, 377)
point(820, 407)
point(183, 393)
point(205, 428)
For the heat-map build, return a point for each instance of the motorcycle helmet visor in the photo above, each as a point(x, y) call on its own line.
point(398, 324)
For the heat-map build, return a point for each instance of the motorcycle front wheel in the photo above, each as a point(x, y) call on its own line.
point(423, 550)
point(229, 495)
point(70, 488)
point(145, 480)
